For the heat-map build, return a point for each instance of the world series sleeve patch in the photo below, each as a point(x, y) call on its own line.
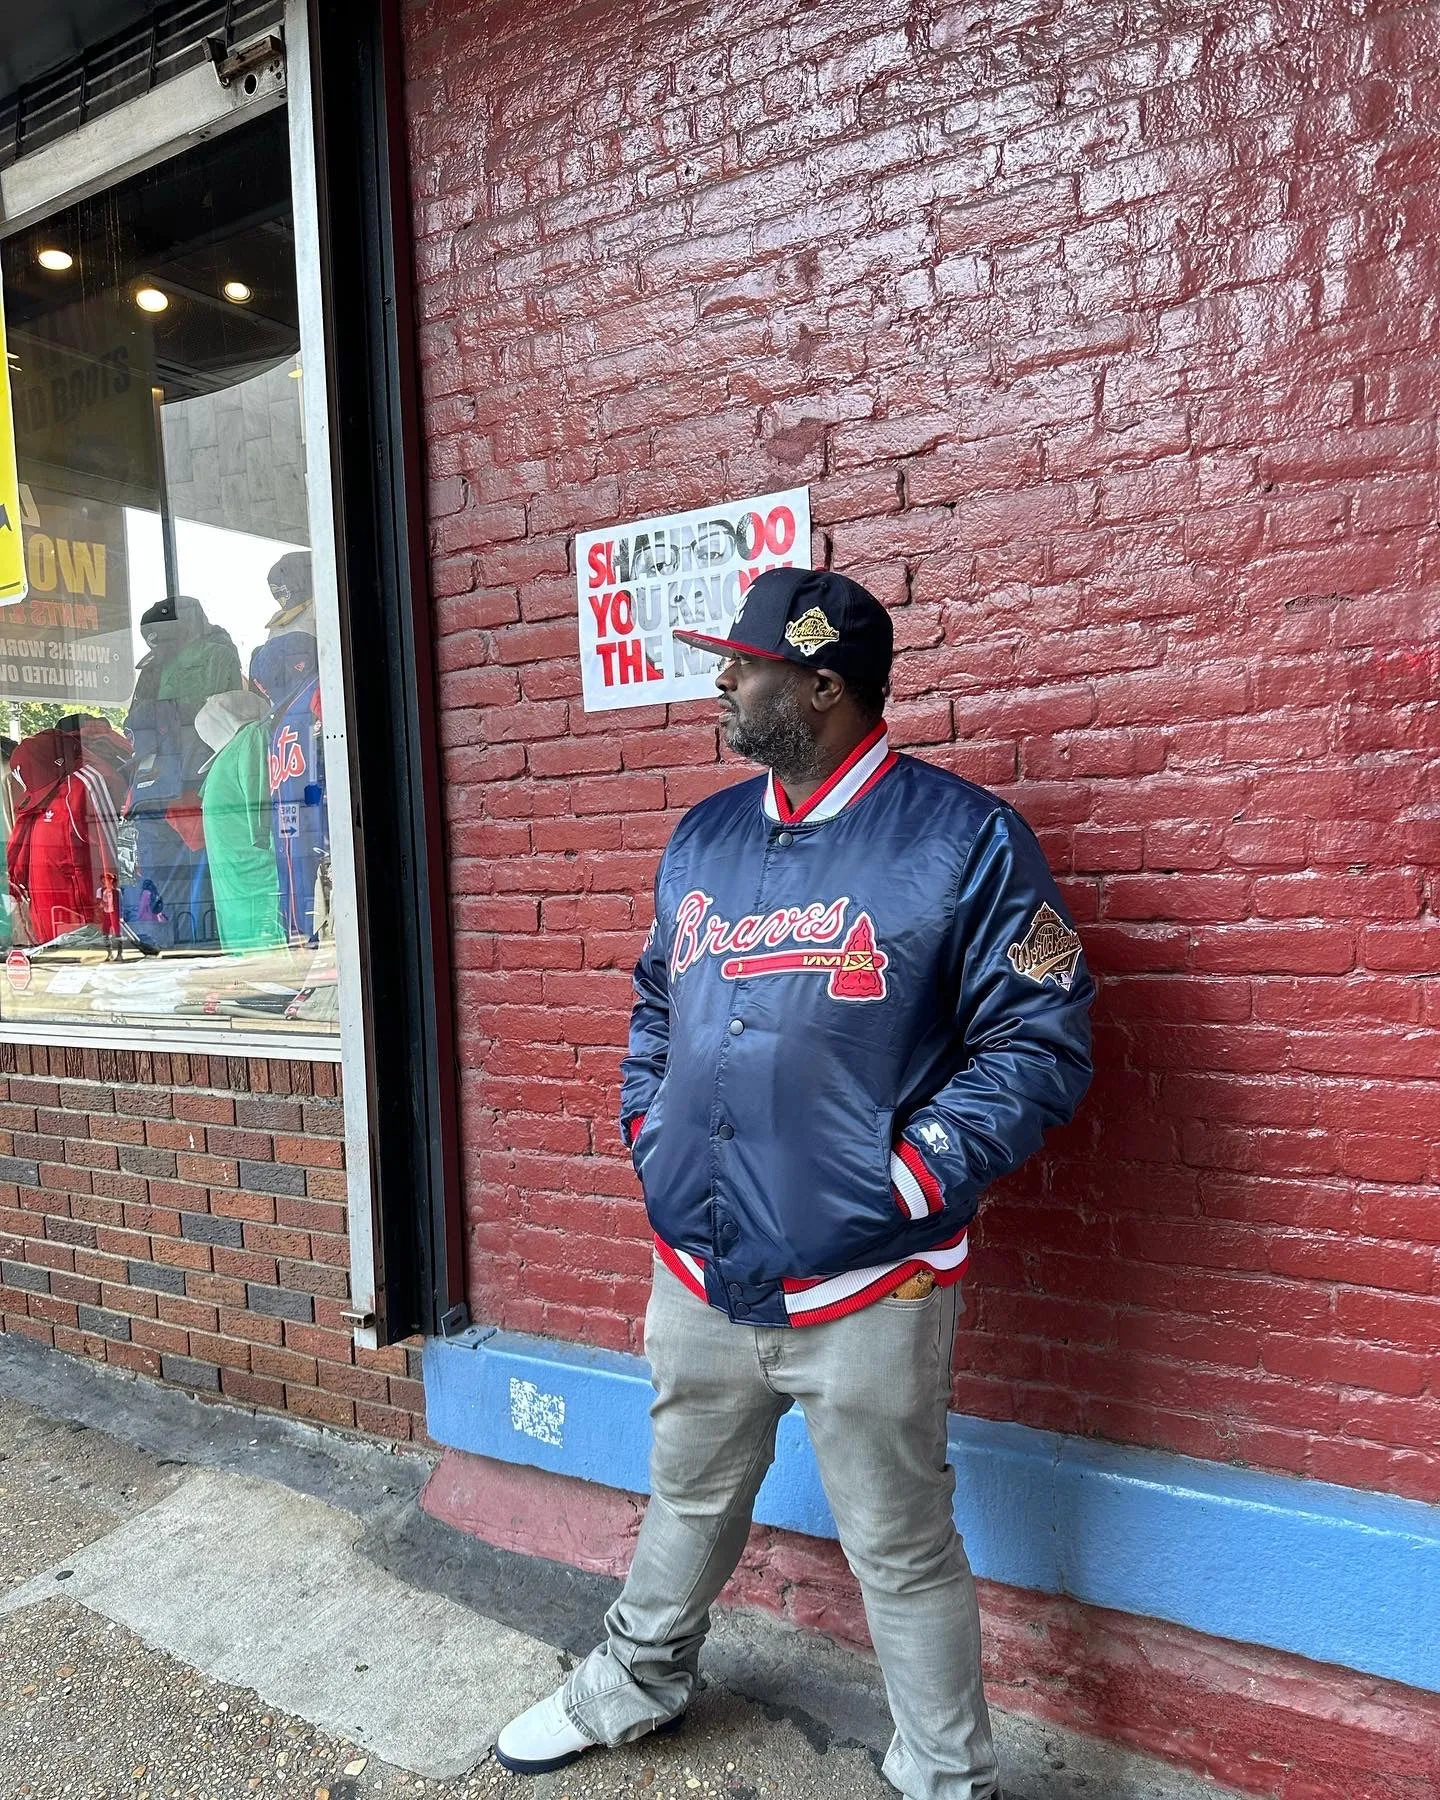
point(1049, 950)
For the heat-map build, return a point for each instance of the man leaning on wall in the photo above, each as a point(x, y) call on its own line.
point(861, 1002)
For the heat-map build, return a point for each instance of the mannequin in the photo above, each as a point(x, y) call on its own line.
point(294, 595)
point(236, 805)
point(294, 592)
point(284, 669)
point(166, 893)
point(297, 785)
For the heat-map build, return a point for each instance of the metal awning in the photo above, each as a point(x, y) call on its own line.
point(73, 61)
point(38, 39)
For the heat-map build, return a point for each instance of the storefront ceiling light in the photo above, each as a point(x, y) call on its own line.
point(151, 300)
point(54, 258)
point(237, 291)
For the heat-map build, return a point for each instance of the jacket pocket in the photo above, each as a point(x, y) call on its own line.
point(645, 1138)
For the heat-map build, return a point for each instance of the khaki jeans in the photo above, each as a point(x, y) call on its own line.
point(874, 1389)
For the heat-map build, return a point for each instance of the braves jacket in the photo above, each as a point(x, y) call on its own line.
point(850, 1017)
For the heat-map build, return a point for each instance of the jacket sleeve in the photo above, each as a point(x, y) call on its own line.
point(1022, 1027)
point(644, 1063)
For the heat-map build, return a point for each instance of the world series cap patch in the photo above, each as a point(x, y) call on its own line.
point(812, 631)
point(1048, 950)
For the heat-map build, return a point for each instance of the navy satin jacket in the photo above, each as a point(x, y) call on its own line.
point(850, 1018)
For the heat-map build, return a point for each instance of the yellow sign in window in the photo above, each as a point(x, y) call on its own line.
point(12, 553)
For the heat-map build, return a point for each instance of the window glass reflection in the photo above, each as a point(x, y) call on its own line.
point(163, 790)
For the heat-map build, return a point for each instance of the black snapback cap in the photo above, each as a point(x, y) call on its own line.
point(812, 617)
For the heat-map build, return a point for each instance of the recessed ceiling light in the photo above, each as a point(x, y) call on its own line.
point(237, 291)
point(151, 300)
point(52, 257)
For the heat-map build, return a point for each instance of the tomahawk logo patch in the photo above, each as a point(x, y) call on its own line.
point(856, 970)
point(812, 631)
point(1049, 950)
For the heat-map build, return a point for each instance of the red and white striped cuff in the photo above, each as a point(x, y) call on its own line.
point(913, 1187)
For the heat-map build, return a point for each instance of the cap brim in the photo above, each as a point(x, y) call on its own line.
point(718, 646)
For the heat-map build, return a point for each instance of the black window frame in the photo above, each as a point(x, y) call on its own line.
point(356, 55)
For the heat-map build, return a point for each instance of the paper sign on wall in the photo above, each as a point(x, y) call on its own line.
point(639, 582)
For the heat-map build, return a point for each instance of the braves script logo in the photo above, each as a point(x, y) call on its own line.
point(855, 968)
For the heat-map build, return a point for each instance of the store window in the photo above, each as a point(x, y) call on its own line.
point(164, 792)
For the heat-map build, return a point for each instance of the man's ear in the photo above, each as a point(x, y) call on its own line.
point(828, 692)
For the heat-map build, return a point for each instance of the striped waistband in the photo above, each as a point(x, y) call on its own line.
point(825, 1297)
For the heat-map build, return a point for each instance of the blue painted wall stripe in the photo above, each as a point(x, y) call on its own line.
point(1326, 1572)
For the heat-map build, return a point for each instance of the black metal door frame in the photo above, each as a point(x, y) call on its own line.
point(375, 423)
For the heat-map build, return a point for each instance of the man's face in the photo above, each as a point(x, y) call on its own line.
point(761, 713)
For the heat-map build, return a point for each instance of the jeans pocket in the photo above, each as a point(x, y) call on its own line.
point(912, 1306)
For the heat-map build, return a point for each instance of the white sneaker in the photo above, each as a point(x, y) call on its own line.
point(541, 1739)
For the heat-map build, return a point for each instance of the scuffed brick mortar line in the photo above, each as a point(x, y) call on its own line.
point(1103, 337)
point(183, 1218)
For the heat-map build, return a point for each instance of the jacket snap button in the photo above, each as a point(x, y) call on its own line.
point(736, 1027)
point(786, 837)
point(741, 1308)
point(735, 1289)
point(726, 1131)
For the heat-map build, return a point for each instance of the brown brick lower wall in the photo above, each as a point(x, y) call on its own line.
point(183, 1217)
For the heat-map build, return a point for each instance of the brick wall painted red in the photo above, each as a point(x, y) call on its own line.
point(183, 1218)
point(1105, 337)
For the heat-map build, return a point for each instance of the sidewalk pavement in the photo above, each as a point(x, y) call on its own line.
point(200, 1603)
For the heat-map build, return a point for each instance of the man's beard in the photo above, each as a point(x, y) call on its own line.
point(778, 737)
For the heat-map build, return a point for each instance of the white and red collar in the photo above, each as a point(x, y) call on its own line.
point(871, 758)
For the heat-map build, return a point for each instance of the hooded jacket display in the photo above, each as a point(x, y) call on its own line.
point(63, 842)
point(238, 814)
point(189, 658)
point(850, 1018)
point(167, 893)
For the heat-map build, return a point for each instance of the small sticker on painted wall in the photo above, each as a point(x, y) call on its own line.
point(536, 1413)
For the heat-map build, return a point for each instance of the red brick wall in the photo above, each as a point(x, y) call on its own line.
point(1104, 336)
point(183, 1217)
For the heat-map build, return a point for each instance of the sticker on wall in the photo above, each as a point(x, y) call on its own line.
point(537, 1414)
point(640, 582)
